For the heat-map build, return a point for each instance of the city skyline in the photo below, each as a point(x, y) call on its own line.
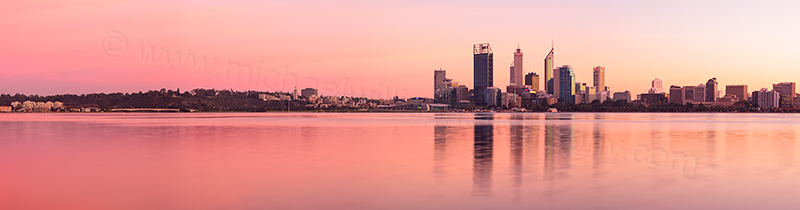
point(682, 42)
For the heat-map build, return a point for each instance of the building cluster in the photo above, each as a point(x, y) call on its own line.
point(313, 98)
point(32, 106)
point(560, 84)
point(782, 94)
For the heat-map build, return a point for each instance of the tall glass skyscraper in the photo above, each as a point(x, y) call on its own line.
point(548, 73)
point(516, 68)
point(483, 71)
point(599, 79)
point(439, 86)
point(566, 87)
point(711, 90)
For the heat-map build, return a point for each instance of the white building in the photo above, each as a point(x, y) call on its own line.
point(656, 86)
point(768, 99)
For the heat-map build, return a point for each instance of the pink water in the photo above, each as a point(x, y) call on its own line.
point(399, 161)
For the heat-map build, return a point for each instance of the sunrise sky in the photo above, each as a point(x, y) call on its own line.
point(385, 48)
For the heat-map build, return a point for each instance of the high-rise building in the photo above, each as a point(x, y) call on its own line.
point(676, 94)
point(295, 94)
point(308, 92)
point(688, 94)
point(700, 93)
point(516, 68)
point(492, 96)
point(549, 71)
point(739, 91)
point(599, 79)
point(532, 79)
point(581, 87)
point(766, 100)
point(711, 90)
point(787, 91)
point(439, 86)
point(461, 94)
point(566, 82)
point(656, 86)
point(483, 71)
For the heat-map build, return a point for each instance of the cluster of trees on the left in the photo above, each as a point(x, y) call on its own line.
point(208, 100)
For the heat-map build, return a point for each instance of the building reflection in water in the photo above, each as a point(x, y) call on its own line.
point(598, 145)
point(439, 148)
point(482, 155)
point(516, 151)
point(598, 151)
point(558, 145)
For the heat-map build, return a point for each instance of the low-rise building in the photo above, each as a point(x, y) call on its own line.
point(622, 96)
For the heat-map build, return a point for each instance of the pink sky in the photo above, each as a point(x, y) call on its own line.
point(387, 48)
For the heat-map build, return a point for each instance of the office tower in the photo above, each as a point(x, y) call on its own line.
point(766, 100)
point(580, 87)
point(787, 91)
point(308, 92)
point(754, 98)
point(739, 91)
point(439, 86)
point(532, 79)
point(295, 95)
point(676, 94)
point(461, 94)
point(688, 94)
point(516, 68)
point(549, 72)
point(656, 86)
point(566, 81)
point(492, 96)
point(711, 90)
point(483, 71)
point(599, 79)
point(700, 93)
point(622, 96)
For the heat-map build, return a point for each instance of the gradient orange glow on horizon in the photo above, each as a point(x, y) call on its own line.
point(387, 48)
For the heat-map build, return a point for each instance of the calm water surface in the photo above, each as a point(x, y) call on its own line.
point(399, 161)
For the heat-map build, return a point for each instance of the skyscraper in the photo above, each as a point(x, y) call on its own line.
point(656, 86)
point(532, 79)
point(566, 84)
point(766, 100)
point(711, 90)
point(439, 87)
point(599, 79)
point(516, 68)
point(483, 71)
point(700, 93)
point(676, 94)
point(787, 91)
point(688, 94)
point(549, 87)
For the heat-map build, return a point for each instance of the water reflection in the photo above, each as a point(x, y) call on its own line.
point(439, 148)
point(516, 131)
point(483, 152)
point(400, 161)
